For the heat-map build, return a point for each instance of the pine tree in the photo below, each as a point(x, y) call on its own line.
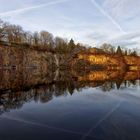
point(119, 51)
point(71, 45)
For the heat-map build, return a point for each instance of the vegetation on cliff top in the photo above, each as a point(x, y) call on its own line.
point(14, 35)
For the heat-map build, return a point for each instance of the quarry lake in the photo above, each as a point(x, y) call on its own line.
point(69, 70)
point(85, 107)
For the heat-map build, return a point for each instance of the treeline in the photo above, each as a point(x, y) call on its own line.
point(109, 49)
point(43, 41)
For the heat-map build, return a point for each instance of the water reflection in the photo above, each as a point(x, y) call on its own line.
point(17, 88)
point(69, 105)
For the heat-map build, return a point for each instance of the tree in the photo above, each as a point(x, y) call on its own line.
point(126, 53)
point(60, 45)
point(71, 45)
point(119, 51)
point(36, 38)
point(14, 33)
point(28, 38)
point(108, 48)
point(134, 53)
point(2, 30)
point(46, 39)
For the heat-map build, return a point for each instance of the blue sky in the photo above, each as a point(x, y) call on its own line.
point(91, 22)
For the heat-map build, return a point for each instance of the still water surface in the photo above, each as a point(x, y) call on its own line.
point(69, 109)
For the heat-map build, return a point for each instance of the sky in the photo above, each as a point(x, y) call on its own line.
point(92, 22)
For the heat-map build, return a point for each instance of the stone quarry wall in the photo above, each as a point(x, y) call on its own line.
point(109, 60)
point(20, 58)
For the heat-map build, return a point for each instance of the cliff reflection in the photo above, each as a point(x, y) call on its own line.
point(17, 88)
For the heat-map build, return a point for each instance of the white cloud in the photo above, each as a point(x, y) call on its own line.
point(96, 23)
point(115, 23)
point(22, 10)
point(124, 15)
point(130, 40)
point(122, 9)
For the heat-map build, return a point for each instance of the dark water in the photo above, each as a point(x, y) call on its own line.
point(85, 107)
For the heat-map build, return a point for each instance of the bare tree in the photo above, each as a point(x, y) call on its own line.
point(3, 27)
point(46, 38)
point(108, 48)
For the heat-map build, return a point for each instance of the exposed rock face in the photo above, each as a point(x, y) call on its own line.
point(132, 60)
point(21, 58)
point(121, 62)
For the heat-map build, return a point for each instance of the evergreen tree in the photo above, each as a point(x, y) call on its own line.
point(126, 53)
point(119, 51)
point(71, 45)
point(134, 53)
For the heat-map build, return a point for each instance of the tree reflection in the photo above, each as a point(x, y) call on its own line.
point(18, 88)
